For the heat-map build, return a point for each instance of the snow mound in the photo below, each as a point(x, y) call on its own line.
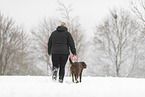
point(43, 86)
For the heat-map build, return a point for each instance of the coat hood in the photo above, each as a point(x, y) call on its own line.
point(61, 29)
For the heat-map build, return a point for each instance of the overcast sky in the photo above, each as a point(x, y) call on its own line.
point(30, 12)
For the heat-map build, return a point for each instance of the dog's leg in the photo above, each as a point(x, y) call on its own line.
point(76, 77)
point(72, 77)
point(81, 76)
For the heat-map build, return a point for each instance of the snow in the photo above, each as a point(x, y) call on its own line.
point(43, 86)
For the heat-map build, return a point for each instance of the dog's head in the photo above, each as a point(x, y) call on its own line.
point(84, 64)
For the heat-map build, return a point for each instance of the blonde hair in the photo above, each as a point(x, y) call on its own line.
point(63, 24)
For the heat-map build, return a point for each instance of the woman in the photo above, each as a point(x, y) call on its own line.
point(58, 46)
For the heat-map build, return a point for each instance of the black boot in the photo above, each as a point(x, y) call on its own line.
point(61, 79)
point(54, 76)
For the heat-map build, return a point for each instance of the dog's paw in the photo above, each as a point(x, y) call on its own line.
point(77, 81)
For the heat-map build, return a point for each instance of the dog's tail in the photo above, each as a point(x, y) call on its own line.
point(70, 61)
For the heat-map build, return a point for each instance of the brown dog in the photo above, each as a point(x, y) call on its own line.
point(77, 69)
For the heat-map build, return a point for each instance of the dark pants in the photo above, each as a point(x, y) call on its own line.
point(59, 61)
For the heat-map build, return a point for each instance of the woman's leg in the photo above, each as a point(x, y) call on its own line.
point(56, 62)
point(63, 60)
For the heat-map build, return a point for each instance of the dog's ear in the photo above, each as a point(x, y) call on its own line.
point(84, 64)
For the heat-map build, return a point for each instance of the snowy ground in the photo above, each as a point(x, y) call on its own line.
point(43, 86)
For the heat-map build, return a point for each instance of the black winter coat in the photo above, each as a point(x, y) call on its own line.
point(60, 41)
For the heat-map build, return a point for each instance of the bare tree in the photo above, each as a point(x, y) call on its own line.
point(8, 41)
point(41, 34)
point(138, 7)
point(115, 41)
point(13, 48)
point(74, 27)
point(39, 45)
